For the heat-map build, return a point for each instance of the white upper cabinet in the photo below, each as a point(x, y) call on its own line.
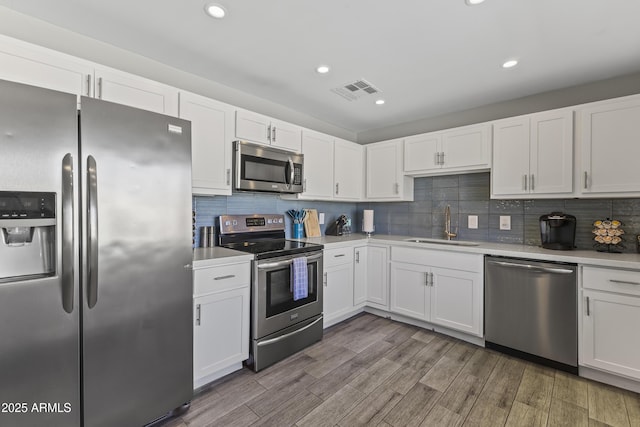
point(422, 152)
point(318, 165)
point(348, 170)
point(610, 144)
point(456, 150)
point(533, 155)
point(265, 130)
point(25, 63)
point(211, 143)
point(135, 91)
point(385, 176)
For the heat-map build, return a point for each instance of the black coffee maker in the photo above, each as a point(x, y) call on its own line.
point(558, 231)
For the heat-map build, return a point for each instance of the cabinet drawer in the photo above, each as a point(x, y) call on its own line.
point(611, 280)
point(451, 260)
point(338, 256)
point(225, 277)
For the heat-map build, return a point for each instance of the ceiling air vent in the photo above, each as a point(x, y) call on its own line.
point(354, 90)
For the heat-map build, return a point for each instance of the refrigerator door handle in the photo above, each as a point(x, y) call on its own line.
point(67, 233)
point(92, 232)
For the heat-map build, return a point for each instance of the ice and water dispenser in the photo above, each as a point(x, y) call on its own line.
point(27, 235)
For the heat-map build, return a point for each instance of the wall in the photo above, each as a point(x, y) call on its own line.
point(424, 217)
point(208, 208)
point(575, 95)
point(469, 195)
point(41, 33)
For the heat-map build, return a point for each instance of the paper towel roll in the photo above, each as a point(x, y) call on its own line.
point(367, 221)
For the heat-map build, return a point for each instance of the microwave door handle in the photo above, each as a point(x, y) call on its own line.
point(291, 173)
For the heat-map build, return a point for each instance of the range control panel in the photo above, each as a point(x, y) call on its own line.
point(27, 205)
point(229, 224)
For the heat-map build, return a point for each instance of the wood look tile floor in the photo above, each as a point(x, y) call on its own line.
point(371, 371)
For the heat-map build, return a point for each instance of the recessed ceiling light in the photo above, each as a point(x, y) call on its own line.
point(215, 11)
point(473, 2)
point(322, 69)
point(510, 63)
point(379, 101)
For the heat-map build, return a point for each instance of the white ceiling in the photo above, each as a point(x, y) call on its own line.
point(428, 57)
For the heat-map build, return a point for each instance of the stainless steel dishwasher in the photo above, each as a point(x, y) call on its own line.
point(531, 310)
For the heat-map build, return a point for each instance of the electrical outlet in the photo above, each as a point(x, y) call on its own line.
point(321, 218)
point(505, 222)
point(472, 221)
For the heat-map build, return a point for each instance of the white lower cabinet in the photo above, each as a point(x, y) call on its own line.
point(610, 319)
point(338, 285)
point(221, 321)
point(376, 279)
point(410, 290)
point(442, 288)
point(360, 275)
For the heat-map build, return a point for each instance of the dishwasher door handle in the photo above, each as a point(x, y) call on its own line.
point(531, 267)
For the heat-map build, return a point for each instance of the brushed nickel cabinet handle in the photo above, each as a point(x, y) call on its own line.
point(228, 176)
point(228, 276)
point(624, 282)
point(532, 183)
point(588, 313)
point(197, 314)
point(586, 175)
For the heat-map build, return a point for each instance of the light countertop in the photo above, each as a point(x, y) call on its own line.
point(209, 257)
point(212, 257)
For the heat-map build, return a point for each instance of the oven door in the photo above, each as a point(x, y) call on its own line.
point(273, 305)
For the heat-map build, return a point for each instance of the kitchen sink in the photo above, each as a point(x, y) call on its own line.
point(442, 242)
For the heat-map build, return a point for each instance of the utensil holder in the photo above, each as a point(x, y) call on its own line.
point(298, 231)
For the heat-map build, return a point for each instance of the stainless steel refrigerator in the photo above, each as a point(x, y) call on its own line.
point(95, 253)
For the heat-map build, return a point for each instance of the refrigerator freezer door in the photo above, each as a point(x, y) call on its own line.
point(137, 302)
point(39, 319)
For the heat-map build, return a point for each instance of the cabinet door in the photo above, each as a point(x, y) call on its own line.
point(456, 300)
point(36, 66)
point(220, 332)
point(287, 136)
point(384, 170)
point(609, 333)
point(551, 152)
point(510, 170)
point(410, 290)
point(348, 170)
point(610, 148)
point(211, 139)
point(338, 292)
point(359, 275)
point(253, 127)
point(421, 152)
point(134, 91)
point(318, 165)
point(467, 148)
point(377, 278)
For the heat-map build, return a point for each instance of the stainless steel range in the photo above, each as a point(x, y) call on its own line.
point(284, 320)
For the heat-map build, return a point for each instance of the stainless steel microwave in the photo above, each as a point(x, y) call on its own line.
point(265, 168)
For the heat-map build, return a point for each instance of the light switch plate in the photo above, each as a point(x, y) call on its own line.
point(472, 221)
point(505, 222)
point(321, 218)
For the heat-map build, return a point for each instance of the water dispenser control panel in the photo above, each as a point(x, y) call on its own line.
point(27, 205)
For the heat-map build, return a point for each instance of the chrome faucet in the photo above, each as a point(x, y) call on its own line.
point(447, 224)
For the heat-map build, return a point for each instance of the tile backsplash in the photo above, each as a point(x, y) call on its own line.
point(424, 217)
point(469, 195)
point(208, 208)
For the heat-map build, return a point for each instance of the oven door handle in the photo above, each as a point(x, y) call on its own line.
point(285, 262)
point(285, 336)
